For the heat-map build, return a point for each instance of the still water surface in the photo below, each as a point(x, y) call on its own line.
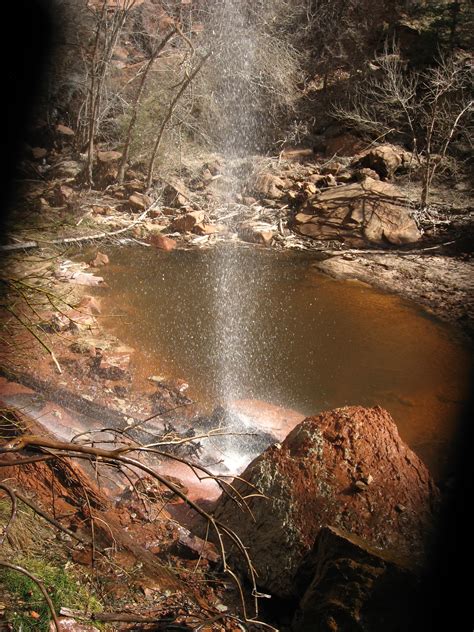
point(283, 333)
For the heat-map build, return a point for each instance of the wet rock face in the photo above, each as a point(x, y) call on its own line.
point(346, 468)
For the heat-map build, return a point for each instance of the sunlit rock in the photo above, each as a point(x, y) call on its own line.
point(309, 482)
point(358, 212)
point(384, 159)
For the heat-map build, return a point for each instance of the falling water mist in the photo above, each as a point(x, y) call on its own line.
point(235, 60)
point(237, 95)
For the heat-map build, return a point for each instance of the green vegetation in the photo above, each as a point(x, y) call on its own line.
point(27, 609)
point(34, 546)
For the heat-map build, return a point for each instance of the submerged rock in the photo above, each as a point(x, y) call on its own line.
point(113, 364)
point(99, 260)
point(310, 482)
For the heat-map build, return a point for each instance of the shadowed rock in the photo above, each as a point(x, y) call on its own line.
point(355, 587)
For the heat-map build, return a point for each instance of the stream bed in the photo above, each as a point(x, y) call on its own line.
point(265, 329)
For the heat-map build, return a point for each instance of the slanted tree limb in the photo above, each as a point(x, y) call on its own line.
point(133, 118)
point(169, 114)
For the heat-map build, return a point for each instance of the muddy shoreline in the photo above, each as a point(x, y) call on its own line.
point(443, 286)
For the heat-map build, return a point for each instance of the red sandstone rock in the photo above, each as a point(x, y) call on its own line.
point(162, 242)
point(188, 221)
point(39, 152)
point(100, 260)
point(346, 468)
point(370, 210)
point(208, 229)
point(355, 587)
point(139, 201)
point(269, 185)
point(384, 159)
point(64, 130)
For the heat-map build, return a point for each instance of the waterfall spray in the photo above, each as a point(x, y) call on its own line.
point(235, 53)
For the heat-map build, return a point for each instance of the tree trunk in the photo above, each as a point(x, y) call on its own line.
point(133, 118)
point(168, 116)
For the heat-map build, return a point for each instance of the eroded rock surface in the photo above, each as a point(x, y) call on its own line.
point(359, 212)
point(346, 468)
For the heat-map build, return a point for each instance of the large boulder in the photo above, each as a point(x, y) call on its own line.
point(346, 468)
point(359, 212)
point(383, 159)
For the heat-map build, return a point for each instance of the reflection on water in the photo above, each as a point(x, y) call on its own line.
point(288, 335)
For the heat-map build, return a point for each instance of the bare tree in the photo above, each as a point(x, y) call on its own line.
point(424, 109)
point(158, 48)
point(110, 20)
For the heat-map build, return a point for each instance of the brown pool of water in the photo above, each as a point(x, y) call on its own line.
point(254, 324)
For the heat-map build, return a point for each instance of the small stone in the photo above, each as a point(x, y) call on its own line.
point(367, 479)
point(208, 229)
point(64, 130)
point(249, 201)
point(62, 194)
point(400, 508)
point(139, 201)
point(56, 324)
point(108, 156)
point(162, 242)
point(89, 304)
point(188, 221)
point(39, 152)
point(360, 486)
point(157, 379)
point(206, 175)
point(100, 260)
